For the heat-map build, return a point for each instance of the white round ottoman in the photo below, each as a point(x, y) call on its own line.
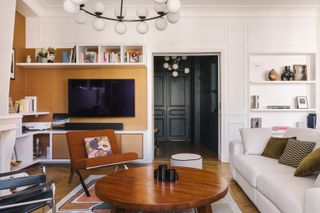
point(186, 160)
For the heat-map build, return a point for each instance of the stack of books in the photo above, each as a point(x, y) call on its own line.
point(278, 107)
point(27, 104)
point(110, 57)
point(279, 129)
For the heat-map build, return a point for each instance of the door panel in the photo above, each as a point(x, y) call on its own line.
point(160, 108)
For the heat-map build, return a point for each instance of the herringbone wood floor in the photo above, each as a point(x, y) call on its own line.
point(59, 173)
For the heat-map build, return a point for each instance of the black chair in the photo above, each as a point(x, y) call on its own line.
point(26, 193)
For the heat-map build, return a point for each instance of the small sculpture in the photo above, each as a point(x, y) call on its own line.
point(287, 74)
point(273, 75)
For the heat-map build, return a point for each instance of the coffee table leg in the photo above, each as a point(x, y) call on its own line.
point(205, 209)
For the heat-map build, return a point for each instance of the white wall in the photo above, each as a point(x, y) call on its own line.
point(233, 32)
point(7, 16)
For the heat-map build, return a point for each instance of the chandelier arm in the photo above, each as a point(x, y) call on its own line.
point(121, 7)
point(123, 20)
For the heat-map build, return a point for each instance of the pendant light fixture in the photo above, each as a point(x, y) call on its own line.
point(171, 63)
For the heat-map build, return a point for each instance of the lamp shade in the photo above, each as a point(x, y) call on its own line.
point(117, 12)
point(142, 27)
point(186, 70)
point(174, 6)
point(173, 17)
point(120, 27)
point(175, 73)
point(161, 24)
point(98, 7)
point(70, 7)
point(142, 12)
point(175, 66)
point(80, 17)
point(167, 58)
point(98, 24)
point(166, 65)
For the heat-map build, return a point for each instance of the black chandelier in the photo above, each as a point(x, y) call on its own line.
point(163, 8)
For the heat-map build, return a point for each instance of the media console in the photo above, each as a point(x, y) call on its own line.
point(93, 126)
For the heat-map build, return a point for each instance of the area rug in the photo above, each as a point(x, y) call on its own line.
point(77, 201)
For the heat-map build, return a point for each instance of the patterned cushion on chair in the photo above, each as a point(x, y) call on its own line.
point(98, 146)
point(295, 152)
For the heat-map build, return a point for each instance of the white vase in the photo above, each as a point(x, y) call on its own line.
point(44, 60)
point(28, 60)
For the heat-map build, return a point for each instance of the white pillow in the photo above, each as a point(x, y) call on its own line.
point(317, 182)
point(255, 140)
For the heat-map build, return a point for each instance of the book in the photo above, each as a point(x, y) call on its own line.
point(278, 107)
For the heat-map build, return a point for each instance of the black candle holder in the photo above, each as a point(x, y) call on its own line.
point(163, 174)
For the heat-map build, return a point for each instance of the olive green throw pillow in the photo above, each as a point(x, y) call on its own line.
point(275, 147)
point(309, 165)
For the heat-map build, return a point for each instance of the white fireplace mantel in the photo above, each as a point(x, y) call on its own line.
point(8, 127)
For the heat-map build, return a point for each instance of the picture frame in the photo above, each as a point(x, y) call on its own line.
point(13, 64)
point(300, 72)
point(302, 102)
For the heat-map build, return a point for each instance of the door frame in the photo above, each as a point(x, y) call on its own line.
point(220, 108)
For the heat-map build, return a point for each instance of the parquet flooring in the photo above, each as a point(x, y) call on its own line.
point(59, 173)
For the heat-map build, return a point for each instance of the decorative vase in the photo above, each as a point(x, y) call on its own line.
point(287, 74)
point(28, 60)
point(44, 60)
point(51, 58)
point(273, 75)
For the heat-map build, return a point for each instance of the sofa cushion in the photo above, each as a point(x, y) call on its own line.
point(251, 166)
point(285, 190)
point(275, 147)
point(305, 134)
point(295, 152)
point(254, 140)
point(309, 165)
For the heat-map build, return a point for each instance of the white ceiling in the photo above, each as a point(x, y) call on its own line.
point(58, 3)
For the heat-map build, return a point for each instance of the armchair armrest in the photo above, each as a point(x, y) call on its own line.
point(312, 200)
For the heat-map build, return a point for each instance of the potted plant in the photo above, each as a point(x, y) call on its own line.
point(43, 55)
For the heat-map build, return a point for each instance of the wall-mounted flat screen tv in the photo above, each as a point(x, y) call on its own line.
point(101, 98)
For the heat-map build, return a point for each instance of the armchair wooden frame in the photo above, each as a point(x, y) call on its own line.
point(80, 161)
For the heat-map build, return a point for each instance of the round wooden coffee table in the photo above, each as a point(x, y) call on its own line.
point(136, 190)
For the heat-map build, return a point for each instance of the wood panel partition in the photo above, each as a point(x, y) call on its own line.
point(50, 85)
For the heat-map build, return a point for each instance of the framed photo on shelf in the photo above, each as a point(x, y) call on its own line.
point(256, 122)
point(300, 72)
point(302, 102)
point(13, 64)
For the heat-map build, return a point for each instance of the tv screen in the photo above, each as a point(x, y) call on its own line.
point(101, 98)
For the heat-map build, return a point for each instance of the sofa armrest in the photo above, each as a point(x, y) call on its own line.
point(312, 200)
point(236, 148)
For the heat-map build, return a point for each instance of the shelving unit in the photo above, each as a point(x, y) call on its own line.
point(33, 113)
point(281, 92)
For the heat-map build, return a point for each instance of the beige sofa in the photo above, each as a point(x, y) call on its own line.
point(271, 186)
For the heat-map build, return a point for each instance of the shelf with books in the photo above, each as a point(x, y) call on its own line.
point(110, 54)
point(88, 54)
point(132, 54)
point(73, 65)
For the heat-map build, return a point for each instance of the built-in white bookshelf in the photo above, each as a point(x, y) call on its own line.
point(281, 93)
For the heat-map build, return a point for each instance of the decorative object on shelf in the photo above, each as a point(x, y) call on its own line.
point(65, 57)
point(300, 72)
point(163, 8)
point(11, 107)
point(273, 75)
point(37, 148)
point(302, 102)
point(28, 59)
point(278, 107)
point(256, 122)
point(171, 63)
point(287, 74)
point(13, 64)
point(163, 173)
point(51, 54)
point(255, 102)
point(90, 56)
point(42, 55)
point(312, 120)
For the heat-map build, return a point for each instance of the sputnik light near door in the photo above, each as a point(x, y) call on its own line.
point(163, 8)
point(171, 63)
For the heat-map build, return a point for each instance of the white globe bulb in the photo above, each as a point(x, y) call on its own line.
point(161, 24)
point(166, 65)
point(160, 1)
point(80, 17)
point(79, 1)
point(142, 27)
point(186, 70)
point(166, 58)
point(175, 73)
point(184, 57)
point(175, 66)
point(174, 6)
point(120, 27)
point(169, 68)
point(98, 24)
point(70, 7)
point(174, 57)
point(160, 8)
point(142, 12)
point(98, 7)
point(173, 17)
point(117, 12)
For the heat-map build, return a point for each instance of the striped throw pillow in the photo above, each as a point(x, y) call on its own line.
point(295, 152)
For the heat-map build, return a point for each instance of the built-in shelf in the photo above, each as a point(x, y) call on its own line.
point(75, 65)
point(32, 113)
point(283, 110)
point(283, 82)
